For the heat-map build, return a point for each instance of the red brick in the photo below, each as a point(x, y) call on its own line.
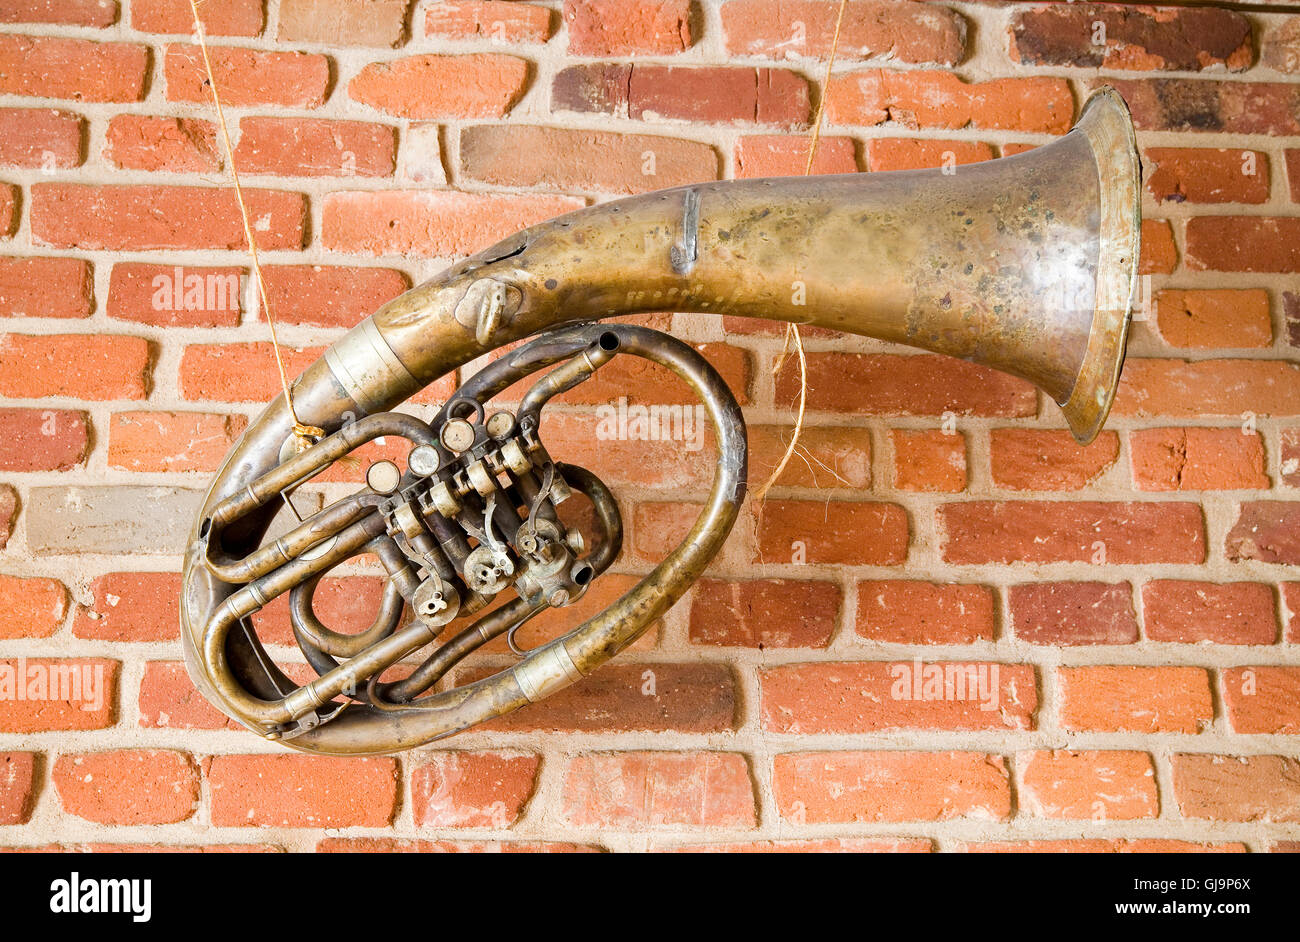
point(1266, 530)
point(844, 533)
point(1159, 254)
point(653, 790)
point(929, 460)
point(131, 606)
point(128, 786)
point(429, 222)
point(100, 848)
point(1143, 38)
point(552, 623)
point(820, 787)
point(1293, 173)
point(40, 137)
point(1238, 788)
point(76, 69)
point(828, 457)
point(876, 696)
point(649, 463)
point(793, 28)
point(239, 372)
point(1073, 613)
point(344, 603)
point(905, 153)
point(93, 13)
point(94, 366)
point(482, 85)
point(302, 791)
point(1097, 846)
point(1024, 459)
point(1097, 786)
point(622, 28)
point(8, 511)
point(555, 622)
point(170, 145)
point(644, 382)
point(496, 20)
point(1071, 531)
point(1291, 603)
point(889, 384)
point(247, 77)
point(389, 845)
point(1262, 699)
point(897, 611)
point(783, 155)
point(1197, 105)
point(472, 789)
point(764, 613)
point(171, 441)
point(699, 94)
point(1135, 699)
point(1289, 456)
point(315, 147)
point(657, 527)
point(378, 23)
point(31, 607)
point(925, 99)
point(1289, 460)
point(1230, 387)
point(830, 845)
point(1207, 175)
point(57, 694)
point(1197, 459)
point(133, 218)
point(1233, 613)
point(19, 787)
point(1244, 243)
point(570, 159)
point(1279, 47)
point(690, 698)
point(9, 209)
point(328, 295)
point(1224, 318)
point(219, 17)
point(1010, 150)
point(168, 700)
point(43, 439)
point(175, 295)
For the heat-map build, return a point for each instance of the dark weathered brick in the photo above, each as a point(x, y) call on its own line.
point(1143, 38)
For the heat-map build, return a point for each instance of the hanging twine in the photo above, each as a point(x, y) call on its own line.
point(304, 435)
point(792, 335)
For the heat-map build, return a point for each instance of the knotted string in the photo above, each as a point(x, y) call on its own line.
point(792, 335)
point(304, 435)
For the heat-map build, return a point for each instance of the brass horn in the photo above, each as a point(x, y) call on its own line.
point(1026, 264)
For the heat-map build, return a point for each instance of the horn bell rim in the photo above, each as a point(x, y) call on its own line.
point(1108, 127)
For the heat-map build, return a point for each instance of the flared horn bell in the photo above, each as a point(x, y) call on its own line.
point(1106, 124)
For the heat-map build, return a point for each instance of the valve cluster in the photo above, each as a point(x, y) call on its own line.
point(476, 513)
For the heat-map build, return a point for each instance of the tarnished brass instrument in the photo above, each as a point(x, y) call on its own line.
point(1025, 264)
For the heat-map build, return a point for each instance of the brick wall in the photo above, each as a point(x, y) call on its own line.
point(1137, 597)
